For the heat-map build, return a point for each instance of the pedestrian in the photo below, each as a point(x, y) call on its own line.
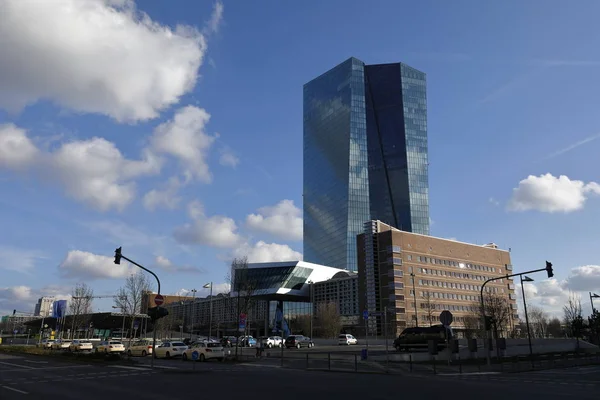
point(258, 348)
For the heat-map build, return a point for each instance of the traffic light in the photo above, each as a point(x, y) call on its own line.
point(118, 256)
point(156, 313)
point(549, 269)
point(489, 322)
point(14, 312)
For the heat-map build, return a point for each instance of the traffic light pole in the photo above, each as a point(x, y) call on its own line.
point(548, 269)
point(118, 257)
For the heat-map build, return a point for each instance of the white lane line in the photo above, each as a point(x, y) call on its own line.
point(42, 368)
point(163, 367)
point(36, 362)
point(131, 368)
point(16, 365)
point(15, 390)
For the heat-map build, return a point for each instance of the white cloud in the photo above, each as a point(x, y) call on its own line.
point(17, 293)
point(16, 150)
point(204, 292)
point(584, 278)
point(228, 158)
point(284, 220)
point(184, 138)
point(547, 193)
point(215, 19)
point(493, 201)
point(166, 198)
point(23, 298)
point(216, 231)
point(92, 171)
point(97, 56)
point(81, 264)
point(267, 252)
point(166, 265)
point(18, 259)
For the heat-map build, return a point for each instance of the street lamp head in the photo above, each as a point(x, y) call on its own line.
point(208, 285)
point(595, 296)
point(527, 279)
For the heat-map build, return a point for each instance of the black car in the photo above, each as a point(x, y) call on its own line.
point(418, 338)
point(298, 341)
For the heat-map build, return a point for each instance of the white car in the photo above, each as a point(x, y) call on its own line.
point(346, 340)
point(45, 344)
point(206, 351)
point(61, 344)
point(110, 347)
point(81, 345)
point(272, 341)
point(141, 348)
point(170, 349)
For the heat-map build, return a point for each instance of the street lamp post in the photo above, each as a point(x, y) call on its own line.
point(312, 307)
point(192, 312)
point(412, 276)
point(592, 297)
point(123, 327)
point(210, 311)
point(527, 279)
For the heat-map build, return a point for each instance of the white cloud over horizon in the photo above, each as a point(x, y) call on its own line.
point(97, 56)
point(85, 265)
point(283, 220)
point(550, 194)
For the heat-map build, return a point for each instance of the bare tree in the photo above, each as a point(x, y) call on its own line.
point(80, 306)
point(129, 297)
point(554, 328)
point(328, 320)
point(244, 285)
point(572, 316)
point(497, 308)
point(538, 321)
point(473, 328)
point(429, 307)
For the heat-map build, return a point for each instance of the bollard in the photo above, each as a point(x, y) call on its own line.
point(356, 362)
point(459, 365)
point(329, 360)
point(306, 360)
point(434, 368)
point(410, 362)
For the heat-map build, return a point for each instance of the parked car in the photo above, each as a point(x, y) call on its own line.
point(110, 347)
point(170, 349)
point(272, 341)
point(229, 341)
point(415, 338)
point(206, 350)
point(246, 341)
point(61, 344)
point(81, 345)
point(346, 339)
point(298, 341)
point(45, 344)
point(141, 348)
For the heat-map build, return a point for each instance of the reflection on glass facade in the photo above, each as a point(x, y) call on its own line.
point(365, 156)
point(295, 316)
point(292, 277)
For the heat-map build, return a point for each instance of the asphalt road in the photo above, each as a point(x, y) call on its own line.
point(38, 378)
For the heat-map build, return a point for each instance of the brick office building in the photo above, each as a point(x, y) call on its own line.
point(447, 275)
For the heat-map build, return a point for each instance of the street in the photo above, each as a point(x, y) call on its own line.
point(24, 377)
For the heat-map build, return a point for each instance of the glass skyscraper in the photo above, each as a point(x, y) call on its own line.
point(365, 156)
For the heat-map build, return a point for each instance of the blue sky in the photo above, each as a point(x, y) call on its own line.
point(153, 130)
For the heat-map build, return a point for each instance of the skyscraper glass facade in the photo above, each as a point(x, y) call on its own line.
point(365, 156)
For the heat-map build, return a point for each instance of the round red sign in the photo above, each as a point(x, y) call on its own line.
point(159, 300)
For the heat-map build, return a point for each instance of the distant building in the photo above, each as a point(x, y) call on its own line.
point(43, 308)
point(148, 300)
point(365, 156)
point(445, 274)
point(341, 289)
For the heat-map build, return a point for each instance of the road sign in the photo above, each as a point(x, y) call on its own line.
point(15, 331)
point(195, 355)
point(136, 325)
point(366, 314)
point(159, 300)
point(446, 317)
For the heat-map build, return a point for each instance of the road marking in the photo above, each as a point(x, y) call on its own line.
point(14, 390)
point(260, 365)
point(36, 362)
point(42, 368)
point(163, 367)
point(470, 374)
point(16, 365)
point(132, 368)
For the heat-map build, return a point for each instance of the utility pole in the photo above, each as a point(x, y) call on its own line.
point(210, 309)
